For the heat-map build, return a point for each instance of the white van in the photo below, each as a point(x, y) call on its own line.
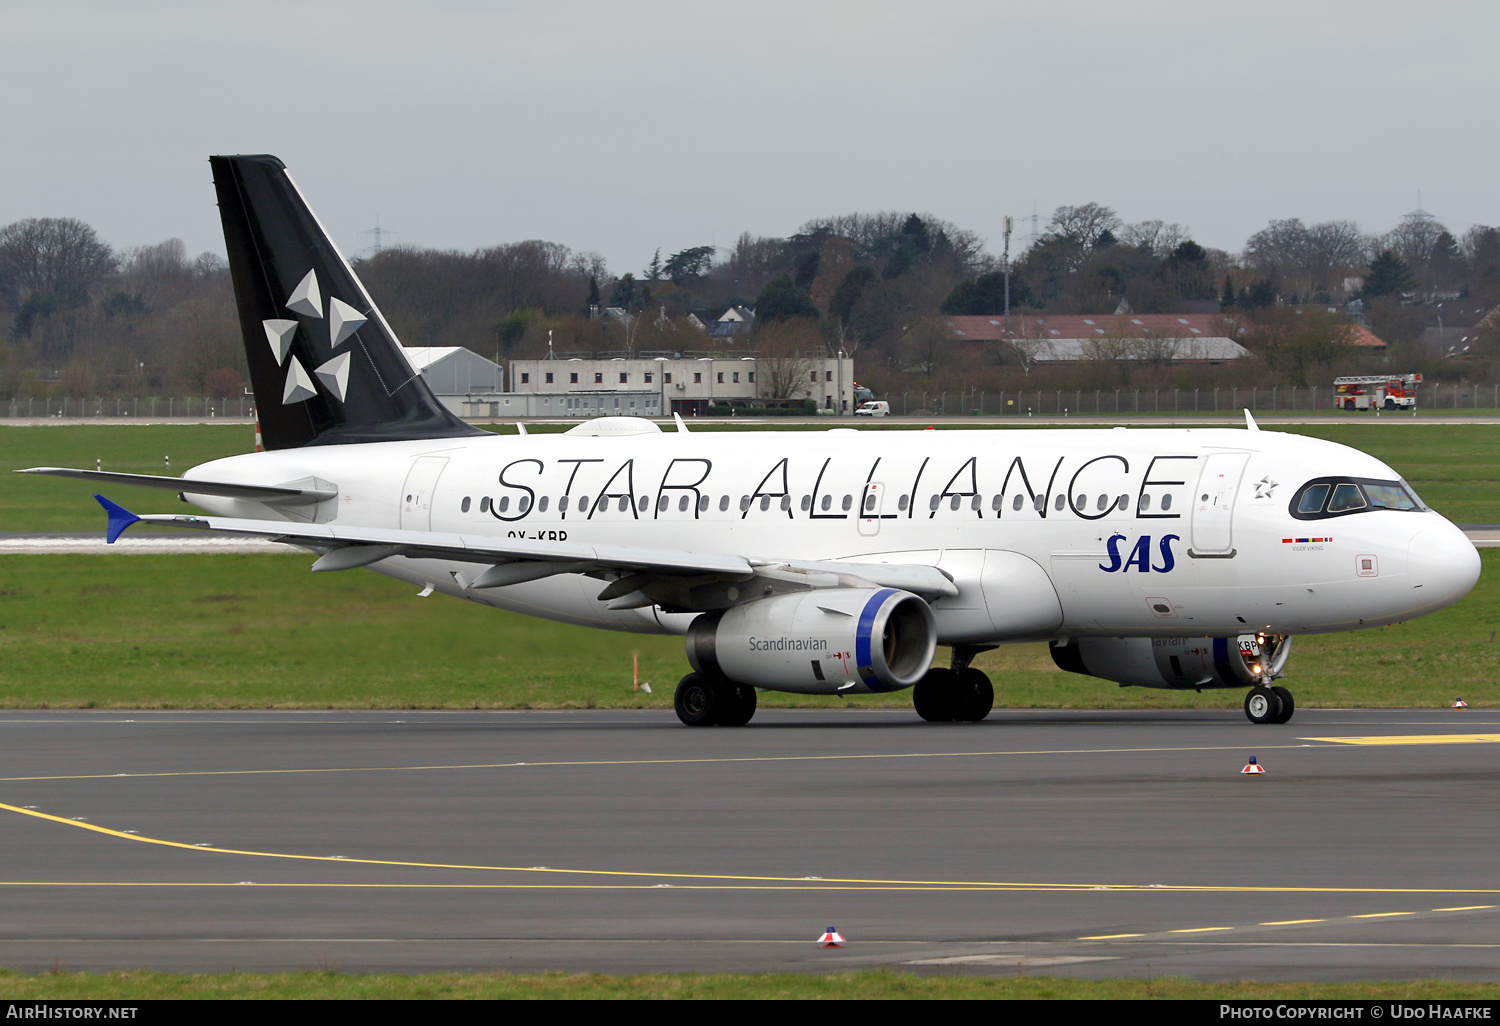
point(874, 408)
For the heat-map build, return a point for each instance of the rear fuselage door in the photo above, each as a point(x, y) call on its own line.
point(416, 494)
point(1213, 503)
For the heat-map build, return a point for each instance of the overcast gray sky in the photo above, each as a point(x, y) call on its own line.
point(621, 127)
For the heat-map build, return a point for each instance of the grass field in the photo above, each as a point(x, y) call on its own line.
point(225, 631)
point(874, 985)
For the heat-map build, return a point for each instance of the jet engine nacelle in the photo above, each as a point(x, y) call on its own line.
point(824, 641)
point(1178, 663)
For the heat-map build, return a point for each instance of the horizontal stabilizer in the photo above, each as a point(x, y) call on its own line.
point(119, 519)
point(261, 493)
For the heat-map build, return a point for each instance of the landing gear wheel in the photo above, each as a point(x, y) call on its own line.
point(736, 704)
point(1288, 705)
point(1262, 705)
point(697, 700)
point(935, 694)
point(976, 696)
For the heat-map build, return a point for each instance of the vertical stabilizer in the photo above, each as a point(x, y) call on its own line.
point(325, 366)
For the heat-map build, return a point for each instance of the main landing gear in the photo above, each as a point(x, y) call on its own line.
point(960, 694)
point(1269, 705)
point(703, 701)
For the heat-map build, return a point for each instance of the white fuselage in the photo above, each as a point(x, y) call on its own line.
point(1047, 533)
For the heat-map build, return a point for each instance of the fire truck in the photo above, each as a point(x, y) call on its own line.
point(1370, 392)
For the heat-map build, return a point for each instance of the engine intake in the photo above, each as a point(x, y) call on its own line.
point(824, 641)
point(1177, 663)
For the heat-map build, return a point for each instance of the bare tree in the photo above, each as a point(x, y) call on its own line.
point(1156, 237)
point(59, 257)
point(787, 357)
point(927, 345)
point(1331, 247)
point(1027, 343)
point(1084, 223)
point(1415, 238)
point(163, 261)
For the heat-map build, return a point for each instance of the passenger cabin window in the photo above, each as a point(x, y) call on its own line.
point(1327, 497)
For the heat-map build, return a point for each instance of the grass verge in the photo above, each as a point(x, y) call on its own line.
point(259, 631)
point(872, 985)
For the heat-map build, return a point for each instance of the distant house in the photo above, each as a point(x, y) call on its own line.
point(1359, 335)
point(1161, 338)
point(737, 320)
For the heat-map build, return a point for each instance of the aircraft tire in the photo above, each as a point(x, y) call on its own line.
point(935, 696)
point(1262, 705)
point(736, 704)
point(976, 695)
point(697, 700)
point(1288, 704)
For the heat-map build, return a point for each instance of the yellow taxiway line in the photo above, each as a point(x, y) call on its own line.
point(1411, 739)
point(726, 879)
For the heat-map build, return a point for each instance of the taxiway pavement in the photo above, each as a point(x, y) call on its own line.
point(1087, 843)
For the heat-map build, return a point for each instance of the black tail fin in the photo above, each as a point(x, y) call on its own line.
point(325, 366)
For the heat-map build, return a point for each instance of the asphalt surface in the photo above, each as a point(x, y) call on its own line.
point(1079, 843)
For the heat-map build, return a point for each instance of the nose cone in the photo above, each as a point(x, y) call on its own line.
point(1443, 565)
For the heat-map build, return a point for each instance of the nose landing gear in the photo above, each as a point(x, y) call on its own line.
point(1269, 704)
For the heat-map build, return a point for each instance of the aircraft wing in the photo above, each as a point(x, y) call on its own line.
point(641, 576)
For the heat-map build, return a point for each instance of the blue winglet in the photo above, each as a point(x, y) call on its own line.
point(119, 518)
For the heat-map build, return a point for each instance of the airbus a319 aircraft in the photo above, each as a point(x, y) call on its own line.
point(826, 563)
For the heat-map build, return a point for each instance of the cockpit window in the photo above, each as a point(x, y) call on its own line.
point(1391, 496)
point(1313, 498)
point(1346, 499)
point(1340, 496)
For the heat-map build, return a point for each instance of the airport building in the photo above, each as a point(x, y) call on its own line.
point(662, 385)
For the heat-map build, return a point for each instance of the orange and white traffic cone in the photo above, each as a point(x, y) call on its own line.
point(1252, 767)
point(1459, 703)
point(831, 939)
point(259, 446)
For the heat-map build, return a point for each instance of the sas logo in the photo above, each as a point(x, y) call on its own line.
point(1140, 555)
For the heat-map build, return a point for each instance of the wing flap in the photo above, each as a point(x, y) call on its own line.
point(468, 548)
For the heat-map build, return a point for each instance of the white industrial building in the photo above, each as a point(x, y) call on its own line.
point(455, 373)
point(661, 385)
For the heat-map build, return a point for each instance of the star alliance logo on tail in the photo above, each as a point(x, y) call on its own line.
point(343, 321)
